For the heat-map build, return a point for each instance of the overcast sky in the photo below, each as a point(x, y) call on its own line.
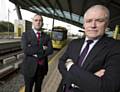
point(3, 9)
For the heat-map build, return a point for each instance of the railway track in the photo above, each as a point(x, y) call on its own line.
point(10, 58)
point(9, 66)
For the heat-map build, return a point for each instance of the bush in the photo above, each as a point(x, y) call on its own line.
point(6, 26)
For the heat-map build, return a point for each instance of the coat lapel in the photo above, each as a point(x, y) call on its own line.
point(32, 36)
point(78, 49)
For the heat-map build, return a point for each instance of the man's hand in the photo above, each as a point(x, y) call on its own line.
point(45, 47)
point(69, 63)
point(100, 73)
point(35, 55)
point(29, 45)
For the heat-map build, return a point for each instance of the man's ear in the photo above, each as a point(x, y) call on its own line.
point(42, 24)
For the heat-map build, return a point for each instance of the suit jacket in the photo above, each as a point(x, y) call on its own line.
point(104, 55)
point(30, 47)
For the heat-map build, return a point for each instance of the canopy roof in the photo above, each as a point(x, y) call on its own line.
point(70, 11)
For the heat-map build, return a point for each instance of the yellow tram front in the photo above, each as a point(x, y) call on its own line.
point(59, 37)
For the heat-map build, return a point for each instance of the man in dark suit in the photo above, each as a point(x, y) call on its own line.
point(36, 46)
point(99, 70)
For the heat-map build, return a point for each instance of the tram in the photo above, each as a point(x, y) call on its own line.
point(59, 37)
point(116, 33)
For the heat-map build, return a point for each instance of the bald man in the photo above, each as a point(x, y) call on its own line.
point(36, 46)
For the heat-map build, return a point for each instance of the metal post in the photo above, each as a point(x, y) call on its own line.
point(54, 15)
point(18, 12)
point(8, 25)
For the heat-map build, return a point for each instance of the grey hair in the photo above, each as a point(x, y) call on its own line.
point(102, 7)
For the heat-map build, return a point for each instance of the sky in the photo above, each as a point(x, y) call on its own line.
point(3, 9)
point(8, 13)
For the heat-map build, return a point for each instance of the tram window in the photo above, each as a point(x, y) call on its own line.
point(57, 35)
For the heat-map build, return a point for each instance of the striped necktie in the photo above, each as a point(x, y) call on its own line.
point(84, 52)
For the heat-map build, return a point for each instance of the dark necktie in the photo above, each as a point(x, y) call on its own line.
point(38, 38)
point(84, 52)
point(40, 61)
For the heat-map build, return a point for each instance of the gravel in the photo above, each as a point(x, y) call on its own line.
point(12, 84)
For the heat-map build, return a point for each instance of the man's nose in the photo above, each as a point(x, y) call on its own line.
point(93, 24)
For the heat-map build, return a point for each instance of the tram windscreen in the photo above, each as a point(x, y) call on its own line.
point(57, 35)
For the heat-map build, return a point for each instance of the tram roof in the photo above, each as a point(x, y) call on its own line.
point(70, 11)
point(59, 28)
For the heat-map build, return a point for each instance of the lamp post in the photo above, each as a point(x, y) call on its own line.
point(9, 13)
point(8, 24)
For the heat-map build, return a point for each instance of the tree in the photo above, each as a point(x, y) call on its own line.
point(6, 26)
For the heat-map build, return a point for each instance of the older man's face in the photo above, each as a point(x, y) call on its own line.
point(95, 23)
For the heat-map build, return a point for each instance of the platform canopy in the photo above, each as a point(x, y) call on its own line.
point(70, 11)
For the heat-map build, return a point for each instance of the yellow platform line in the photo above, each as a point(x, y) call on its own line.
point(22, 89)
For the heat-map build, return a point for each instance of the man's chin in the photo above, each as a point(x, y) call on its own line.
point(92, 36)
point(38, 29)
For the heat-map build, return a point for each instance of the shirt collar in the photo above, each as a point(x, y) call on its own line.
point(94, 41)
point(36, 31)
